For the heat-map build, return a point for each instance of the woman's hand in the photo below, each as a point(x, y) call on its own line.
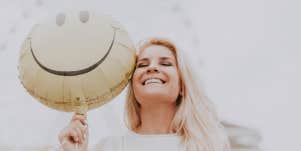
point(74, 137)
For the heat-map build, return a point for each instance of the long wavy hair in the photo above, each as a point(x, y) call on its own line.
point(195, 120)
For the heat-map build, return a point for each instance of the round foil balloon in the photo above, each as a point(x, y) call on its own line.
point(76, 61)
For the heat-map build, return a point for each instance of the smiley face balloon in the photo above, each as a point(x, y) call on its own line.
point(76, 61)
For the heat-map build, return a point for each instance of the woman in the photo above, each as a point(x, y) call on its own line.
point(165, 108)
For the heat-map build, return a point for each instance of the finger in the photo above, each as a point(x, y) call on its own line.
point(63, 134)
point(79, 134)
point(81, 118)
point(73, 136)
point(86, 136)
point(82, 128)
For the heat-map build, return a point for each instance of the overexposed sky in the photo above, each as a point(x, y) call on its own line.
point(246, 52)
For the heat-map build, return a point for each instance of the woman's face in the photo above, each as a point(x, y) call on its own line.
point(156, 78)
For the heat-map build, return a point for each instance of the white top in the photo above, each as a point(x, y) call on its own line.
point(132, 141)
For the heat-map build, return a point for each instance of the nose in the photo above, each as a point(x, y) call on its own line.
point(152, 69)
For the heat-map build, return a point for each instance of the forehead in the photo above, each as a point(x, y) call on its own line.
point(156, 51)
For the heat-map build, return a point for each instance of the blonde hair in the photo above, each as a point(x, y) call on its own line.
point(195, 120)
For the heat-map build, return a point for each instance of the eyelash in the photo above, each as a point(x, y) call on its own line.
point(141, 65)
point(144, 65)
point(166, 64)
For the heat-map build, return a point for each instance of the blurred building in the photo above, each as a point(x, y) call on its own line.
point(242, 138)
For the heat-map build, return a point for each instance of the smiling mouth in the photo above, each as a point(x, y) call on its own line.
point(153, 81)
point(75, 72)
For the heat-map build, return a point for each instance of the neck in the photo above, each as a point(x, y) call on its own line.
point(156, 119)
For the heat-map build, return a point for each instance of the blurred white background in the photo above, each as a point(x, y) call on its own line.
point(246, 52)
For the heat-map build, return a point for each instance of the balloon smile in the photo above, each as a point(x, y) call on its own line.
point(76, 72)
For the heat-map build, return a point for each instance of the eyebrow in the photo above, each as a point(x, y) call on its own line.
point(161, 58)
point(165, 58)
point(143, 59)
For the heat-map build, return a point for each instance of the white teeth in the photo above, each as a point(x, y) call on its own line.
point(153, 81)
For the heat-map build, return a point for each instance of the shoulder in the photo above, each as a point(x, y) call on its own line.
point(108, 144)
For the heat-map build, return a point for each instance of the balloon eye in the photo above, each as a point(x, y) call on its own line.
point(84, 16)
point(60, 19)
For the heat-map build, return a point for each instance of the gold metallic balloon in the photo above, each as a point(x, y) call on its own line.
point(76, 61)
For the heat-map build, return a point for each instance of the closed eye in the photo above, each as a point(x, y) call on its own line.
point(166, 61)
point(166, 64)
point(141, 65)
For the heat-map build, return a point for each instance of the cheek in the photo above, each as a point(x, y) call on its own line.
point(174, 76)
point(176, 84)
point(136, 80)
point(175, 88)
point(136, 76)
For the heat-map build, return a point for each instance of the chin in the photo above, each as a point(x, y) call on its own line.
point(154, 91)
point(156, 95)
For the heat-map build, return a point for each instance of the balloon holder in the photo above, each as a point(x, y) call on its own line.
point(81, 106)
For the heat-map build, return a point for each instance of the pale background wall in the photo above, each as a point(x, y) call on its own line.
point(245, 51)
